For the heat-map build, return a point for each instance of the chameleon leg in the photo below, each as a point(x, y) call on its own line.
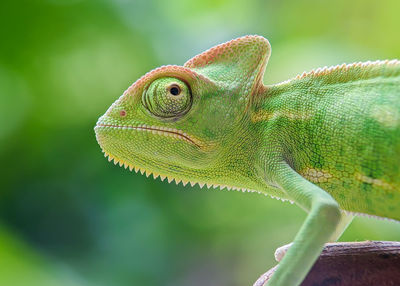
point(345, 220)
point(319, 226)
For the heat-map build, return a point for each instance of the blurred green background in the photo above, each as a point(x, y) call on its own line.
point(68, 216)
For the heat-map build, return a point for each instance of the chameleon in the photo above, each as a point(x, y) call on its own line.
point(327, 140)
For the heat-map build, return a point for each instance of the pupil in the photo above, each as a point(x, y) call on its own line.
point(175, 90)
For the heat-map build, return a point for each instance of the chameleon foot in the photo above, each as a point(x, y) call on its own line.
point(373, 263)
point(279, 254)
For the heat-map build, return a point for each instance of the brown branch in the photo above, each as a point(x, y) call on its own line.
point(369, 263)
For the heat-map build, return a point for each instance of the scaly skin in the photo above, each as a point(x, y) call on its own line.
point(329, 140)
point(340, 129)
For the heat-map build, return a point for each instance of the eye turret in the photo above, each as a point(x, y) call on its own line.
point(167, 98)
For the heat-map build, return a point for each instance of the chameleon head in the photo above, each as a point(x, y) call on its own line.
point(183, 121)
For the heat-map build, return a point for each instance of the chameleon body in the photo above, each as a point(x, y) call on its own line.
point(328, 140)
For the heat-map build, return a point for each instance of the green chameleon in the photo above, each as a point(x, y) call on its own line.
point(328, 140)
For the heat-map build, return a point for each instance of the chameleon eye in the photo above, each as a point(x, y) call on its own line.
point(167, 98)
point(174, 89)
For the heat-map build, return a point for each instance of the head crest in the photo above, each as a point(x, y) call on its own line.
point(240, 61)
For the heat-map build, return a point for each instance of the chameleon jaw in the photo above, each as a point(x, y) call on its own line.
point(171, 132)
point(176, 134)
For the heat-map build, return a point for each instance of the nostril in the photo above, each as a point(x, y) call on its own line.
point(122, 113)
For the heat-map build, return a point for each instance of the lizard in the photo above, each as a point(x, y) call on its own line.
point(327, 140)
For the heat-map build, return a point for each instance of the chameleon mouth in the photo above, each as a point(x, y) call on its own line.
point(165, 131)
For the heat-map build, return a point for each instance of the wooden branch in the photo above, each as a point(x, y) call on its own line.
point(369, 263)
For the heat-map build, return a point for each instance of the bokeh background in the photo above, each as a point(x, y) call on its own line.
point(68, 216)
